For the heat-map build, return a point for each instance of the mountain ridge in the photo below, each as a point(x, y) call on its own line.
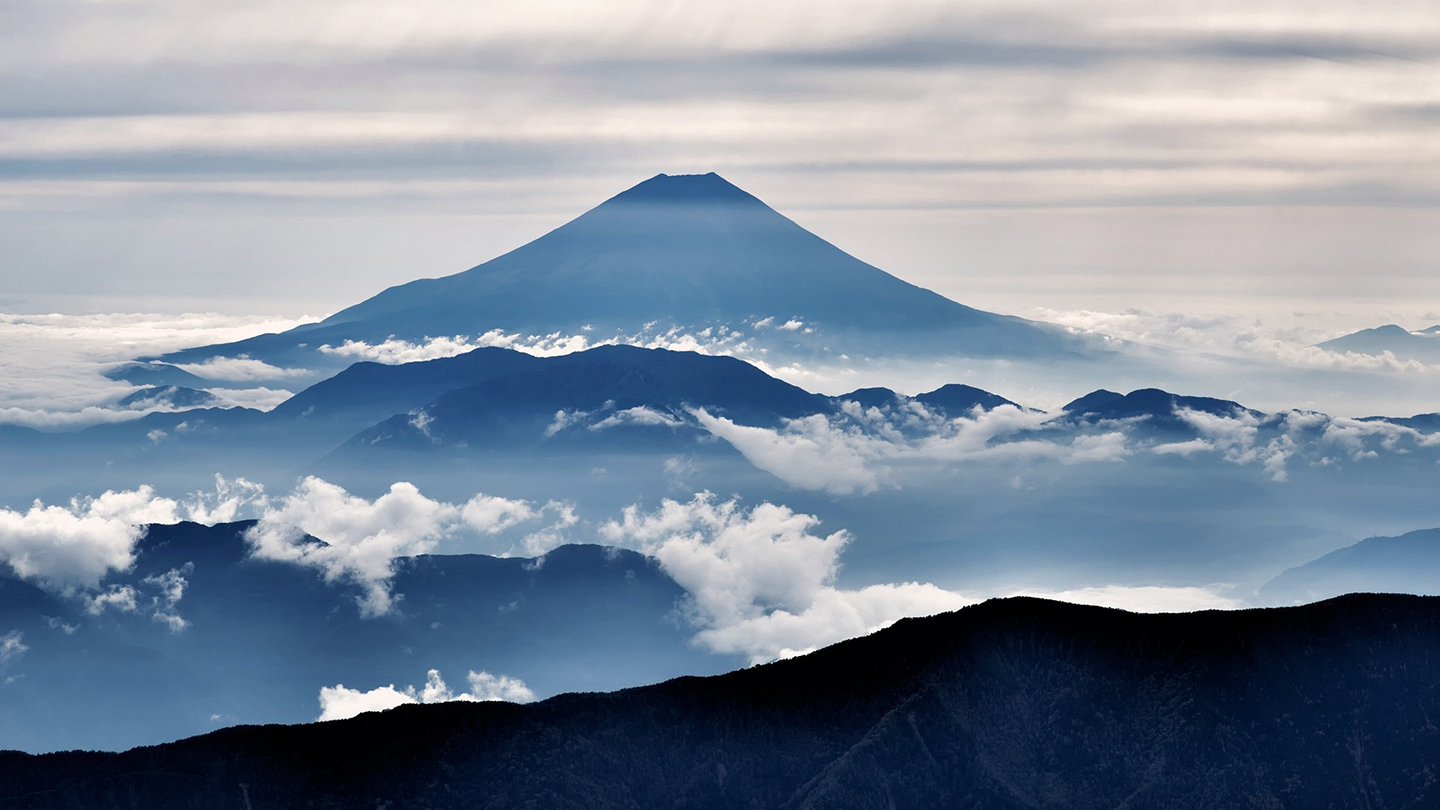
point(1017, 702)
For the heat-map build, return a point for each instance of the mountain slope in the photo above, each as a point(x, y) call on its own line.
point(1423, 346)
point(687, 250)
point(1009, 704)
point(1403, 564)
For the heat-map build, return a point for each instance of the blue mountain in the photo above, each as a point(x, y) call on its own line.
point(1423, 346)
point(639, 395)
point(263, 637)
point(1403, 564)
point(687, 250)
point(1153, 407)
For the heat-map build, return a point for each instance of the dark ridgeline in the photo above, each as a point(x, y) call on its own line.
point(1013, 703)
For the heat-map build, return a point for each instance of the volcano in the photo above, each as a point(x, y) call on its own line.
point(687, 251)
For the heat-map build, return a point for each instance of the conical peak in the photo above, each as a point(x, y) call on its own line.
point(671, 189)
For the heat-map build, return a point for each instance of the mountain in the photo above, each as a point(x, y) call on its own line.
point(595, 395)
point(952, 400)
point(173, 397)
point(688, 250)
point(366, 393)
point(1156, 408)
point(1404, 564)
point(1423, 346)
point(260, 638)
point(1015, 703)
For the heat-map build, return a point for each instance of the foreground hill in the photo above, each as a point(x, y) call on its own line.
point(1011, 703)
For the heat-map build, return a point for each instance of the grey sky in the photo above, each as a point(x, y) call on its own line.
point(292, 158)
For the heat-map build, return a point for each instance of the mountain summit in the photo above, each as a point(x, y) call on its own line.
point(690, 251)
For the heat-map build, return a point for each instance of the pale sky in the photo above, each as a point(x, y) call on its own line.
point(291, 158)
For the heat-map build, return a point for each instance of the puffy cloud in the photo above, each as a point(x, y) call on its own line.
point(158, 595)
point(122, 598)
point(352, 539)
point(361, 538)
point(11, 646)
point(339, 702)
point(77, 545)
point(224, 503)
point(760, 582)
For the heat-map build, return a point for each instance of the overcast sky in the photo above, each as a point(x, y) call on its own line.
point(293, 157)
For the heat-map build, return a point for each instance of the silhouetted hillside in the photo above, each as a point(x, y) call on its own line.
point(1012, 703)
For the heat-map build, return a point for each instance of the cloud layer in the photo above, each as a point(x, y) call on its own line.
point(339, 702)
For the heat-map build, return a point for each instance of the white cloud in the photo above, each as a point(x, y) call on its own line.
point(359, 539)
point(77, 545)
point(122, 598)
point(51, 373)
point(241, 369)
point(339, 702)
point(11, 646)
point(810, 453)
point(642, 416)
point(259, 398)
point(1147, 598)
point(225, 503)
point(760, 583)
point(854, 452)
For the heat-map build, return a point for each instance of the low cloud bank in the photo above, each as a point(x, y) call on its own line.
point(856, 451)
point(339, 702)
point(52, 371)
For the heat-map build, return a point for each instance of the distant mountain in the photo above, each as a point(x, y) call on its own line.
point(685, 250)
point(1015, 703)
point(173, 397)
point(952, 400)
point(261, 638)
point(1423, 345)
point(1404, 564)
point(366, 393)
point(595, 395)
point(152, 373)
point(1155, 407)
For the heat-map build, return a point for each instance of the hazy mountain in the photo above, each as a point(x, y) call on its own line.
point(1154, 407)
point(366, 393)
point(152, 373)
point(953, 400)
point(612, 394)
point(1015, 703)
point(174, 397)
point(1404, 564)
point(686, 250)
point(261, 638)
point(1423, 345)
